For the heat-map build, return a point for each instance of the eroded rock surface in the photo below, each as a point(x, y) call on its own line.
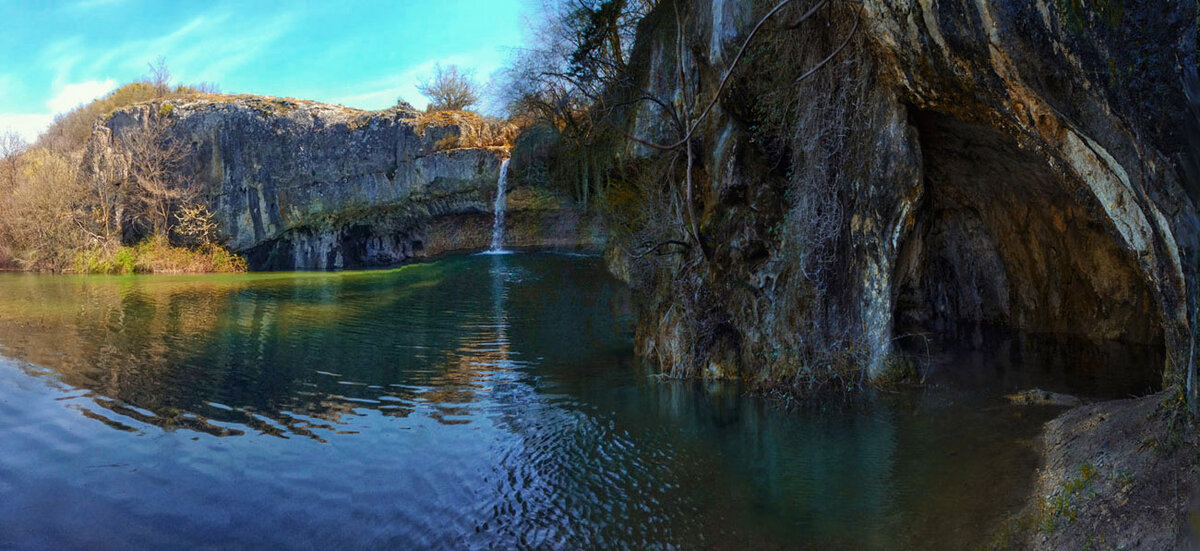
point(960, 165)
point(304, 185)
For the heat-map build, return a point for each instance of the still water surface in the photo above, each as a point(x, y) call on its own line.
point(472, 402)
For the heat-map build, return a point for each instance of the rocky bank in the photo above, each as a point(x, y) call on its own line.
point(1115, 475)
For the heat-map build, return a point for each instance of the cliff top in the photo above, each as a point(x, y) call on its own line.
point(467, 129)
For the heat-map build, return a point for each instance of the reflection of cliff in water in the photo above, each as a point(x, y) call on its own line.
point(996, 361)
point(499, 404)
point(282, 353)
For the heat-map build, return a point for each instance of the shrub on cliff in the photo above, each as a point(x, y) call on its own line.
point(449, 89)
point(465, 129)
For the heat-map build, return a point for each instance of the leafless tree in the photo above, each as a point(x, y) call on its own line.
point(157, 187)
point(12, 146)
point(104, 190)
point(449, 88)
point(579, 49)
point(160, 76)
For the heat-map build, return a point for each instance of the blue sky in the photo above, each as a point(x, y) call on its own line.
point(56, 55)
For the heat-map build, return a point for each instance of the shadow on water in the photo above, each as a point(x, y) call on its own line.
point(997, 361)
point(474, 401)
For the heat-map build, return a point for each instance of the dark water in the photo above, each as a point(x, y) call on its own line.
point(473, 402)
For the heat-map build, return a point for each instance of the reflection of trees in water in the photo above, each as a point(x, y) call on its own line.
point(589, 456)
point(275, 354)
point(172, 353)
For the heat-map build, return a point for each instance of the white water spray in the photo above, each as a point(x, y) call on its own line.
point(498, 224)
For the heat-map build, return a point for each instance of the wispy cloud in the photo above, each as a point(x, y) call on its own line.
point(60, 57)
point(206, 47)
point(79, 93)
point(384, 92)
point(133, 55)
point(65, 98)
point(83, 5)
point(212, 61)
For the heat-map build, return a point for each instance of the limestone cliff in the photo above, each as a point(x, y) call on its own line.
point(960, 166)
point(303, 185)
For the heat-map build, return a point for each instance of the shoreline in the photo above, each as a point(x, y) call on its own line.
point(1117, 474)
point(587, 250)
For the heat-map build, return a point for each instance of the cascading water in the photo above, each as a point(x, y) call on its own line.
point(498, 224)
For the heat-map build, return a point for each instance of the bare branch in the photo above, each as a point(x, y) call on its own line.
point(653, 249)
point(725, 79)
point(835, 52)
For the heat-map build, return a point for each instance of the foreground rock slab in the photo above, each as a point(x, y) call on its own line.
point(1117, 475)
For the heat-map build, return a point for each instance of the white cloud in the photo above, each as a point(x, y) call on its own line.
point(205, 48)
point(79, 93)
point(31, 125)
point(89, 4)
point(28, 125)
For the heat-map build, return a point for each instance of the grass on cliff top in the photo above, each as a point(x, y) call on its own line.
point(155, 255)
point(71, 130)
point(474, 130)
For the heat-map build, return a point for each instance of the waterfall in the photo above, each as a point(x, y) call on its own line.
point(498, 224)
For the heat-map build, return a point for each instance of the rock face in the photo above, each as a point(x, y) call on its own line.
point(303, 185)
point(962, 166)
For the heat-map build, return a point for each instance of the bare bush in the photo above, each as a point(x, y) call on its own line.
point(195, 225)
point(41, 218)
point(160, 77)
point(449, 89)
point(12, 146)
point(156, 185)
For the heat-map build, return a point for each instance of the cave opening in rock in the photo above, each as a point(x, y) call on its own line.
point(1010, 275)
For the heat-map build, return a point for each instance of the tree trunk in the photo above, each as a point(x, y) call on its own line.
point(586, 162)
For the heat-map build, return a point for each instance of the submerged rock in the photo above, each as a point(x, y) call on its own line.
point(1039, 397)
